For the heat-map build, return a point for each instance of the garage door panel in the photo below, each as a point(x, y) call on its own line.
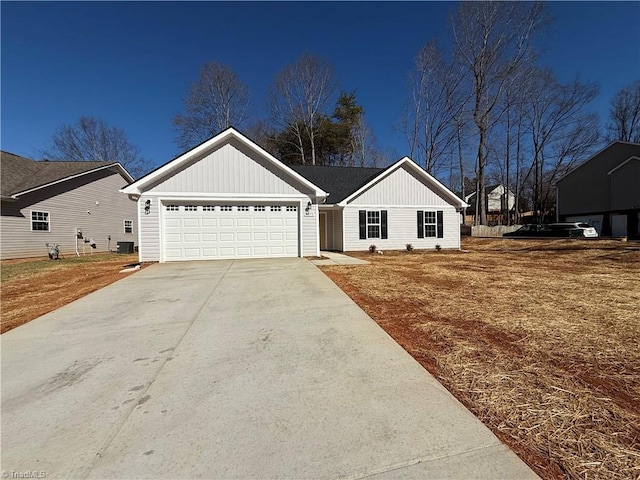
point(259, 222)
point(191, 238)
point(173, 222)
point(190, 223)
point(209, 232)
point(276, 222)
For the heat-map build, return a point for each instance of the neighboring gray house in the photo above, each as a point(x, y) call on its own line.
point(47, 202)
point(604, 191)
point(229, 198)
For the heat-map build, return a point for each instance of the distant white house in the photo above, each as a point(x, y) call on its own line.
point(496, 199)
point(229, 198)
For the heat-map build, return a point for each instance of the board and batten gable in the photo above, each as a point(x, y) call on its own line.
point(230, 169)
point(401, 194)
point(90, 202)
point(400, 187)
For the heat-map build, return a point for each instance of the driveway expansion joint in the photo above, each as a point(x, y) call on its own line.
point(418, 460)
point(142, 396)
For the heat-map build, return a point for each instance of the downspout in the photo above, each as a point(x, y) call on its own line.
point(557, 203)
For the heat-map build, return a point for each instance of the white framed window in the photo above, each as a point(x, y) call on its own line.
point(225, 208)
point(373, 223)
point(172, 208)
point(275, 208)
point(208, 208)
point(190, 208)
point(259, 208)
point(292, 208)
point(243, 208)
point(40, 221)
point(128, 226)
point(429, 224)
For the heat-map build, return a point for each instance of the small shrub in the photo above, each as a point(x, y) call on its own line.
point(438, 247)
point(372, 248)
point(409, 247)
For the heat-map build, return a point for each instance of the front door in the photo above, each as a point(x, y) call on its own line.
point(323, 231)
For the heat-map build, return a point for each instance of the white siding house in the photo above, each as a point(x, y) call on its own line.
point(389, 208)
point(228, 198)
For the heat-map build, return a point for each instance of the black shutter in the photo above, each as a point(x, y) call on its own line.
point(420, 224)
point(363, 224)
point(383, 224)
point(440, 226)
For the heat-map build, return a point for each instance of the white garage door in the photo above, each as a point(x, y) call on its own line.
point(208, 231)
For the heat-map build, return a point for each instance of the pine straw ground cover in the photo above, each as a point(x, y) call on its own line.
point(538, 338)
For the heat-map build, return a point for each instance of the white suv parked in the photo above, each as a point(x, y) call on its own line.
point(574, 229)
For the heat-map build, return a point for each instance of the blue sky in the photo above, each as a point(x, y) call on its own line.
point(131, 63)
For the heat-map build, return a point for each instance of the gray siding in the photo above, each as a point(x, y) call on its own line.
point(588, 188)
point(68, 204)
point(149, 229)
point(625, 186)
point(402, 229)
point(230, 169)
point(400, 188)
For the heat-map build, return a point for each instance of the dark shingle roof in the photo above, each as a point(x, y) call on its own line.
point(20, 174)
point(340, 182)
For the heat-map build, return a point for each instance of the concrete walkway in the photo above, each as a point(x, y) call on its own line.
point(335, 258)
point(230, 369)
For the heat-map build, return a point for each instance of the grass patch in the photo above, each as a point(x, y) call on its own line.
point(33, 287)
point(538, 338)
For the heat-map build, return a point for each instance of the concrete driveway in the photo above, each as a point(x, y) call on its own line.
point(229, 369)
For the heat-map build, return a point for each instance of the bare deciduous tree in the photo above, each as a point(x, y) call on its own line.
point(92, 139)
point(299, 97)
point(217, 100)
point(429, 121)
point(624, 116)
point(560, 129)
point(492, 42)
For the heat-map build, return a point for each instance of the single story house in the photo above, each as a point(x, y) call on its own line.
point(229, 198)
point(604, 191)
point(72, 204)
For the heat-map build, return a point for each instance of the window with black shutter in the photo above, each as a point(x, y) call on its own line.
point(430, 224)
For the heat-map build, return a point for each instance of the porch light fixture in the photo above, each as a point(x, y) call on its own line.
point(147, 207)
point(308, 207)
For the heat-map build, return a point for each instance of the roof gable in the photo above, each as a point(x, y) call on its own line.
point(604, 161)
point(230, 147)
point(21, 175)
point(429, 182)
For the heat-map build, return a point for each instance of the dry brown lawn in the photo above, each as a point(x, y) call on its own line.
point(33, 287)
point(539, 338)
